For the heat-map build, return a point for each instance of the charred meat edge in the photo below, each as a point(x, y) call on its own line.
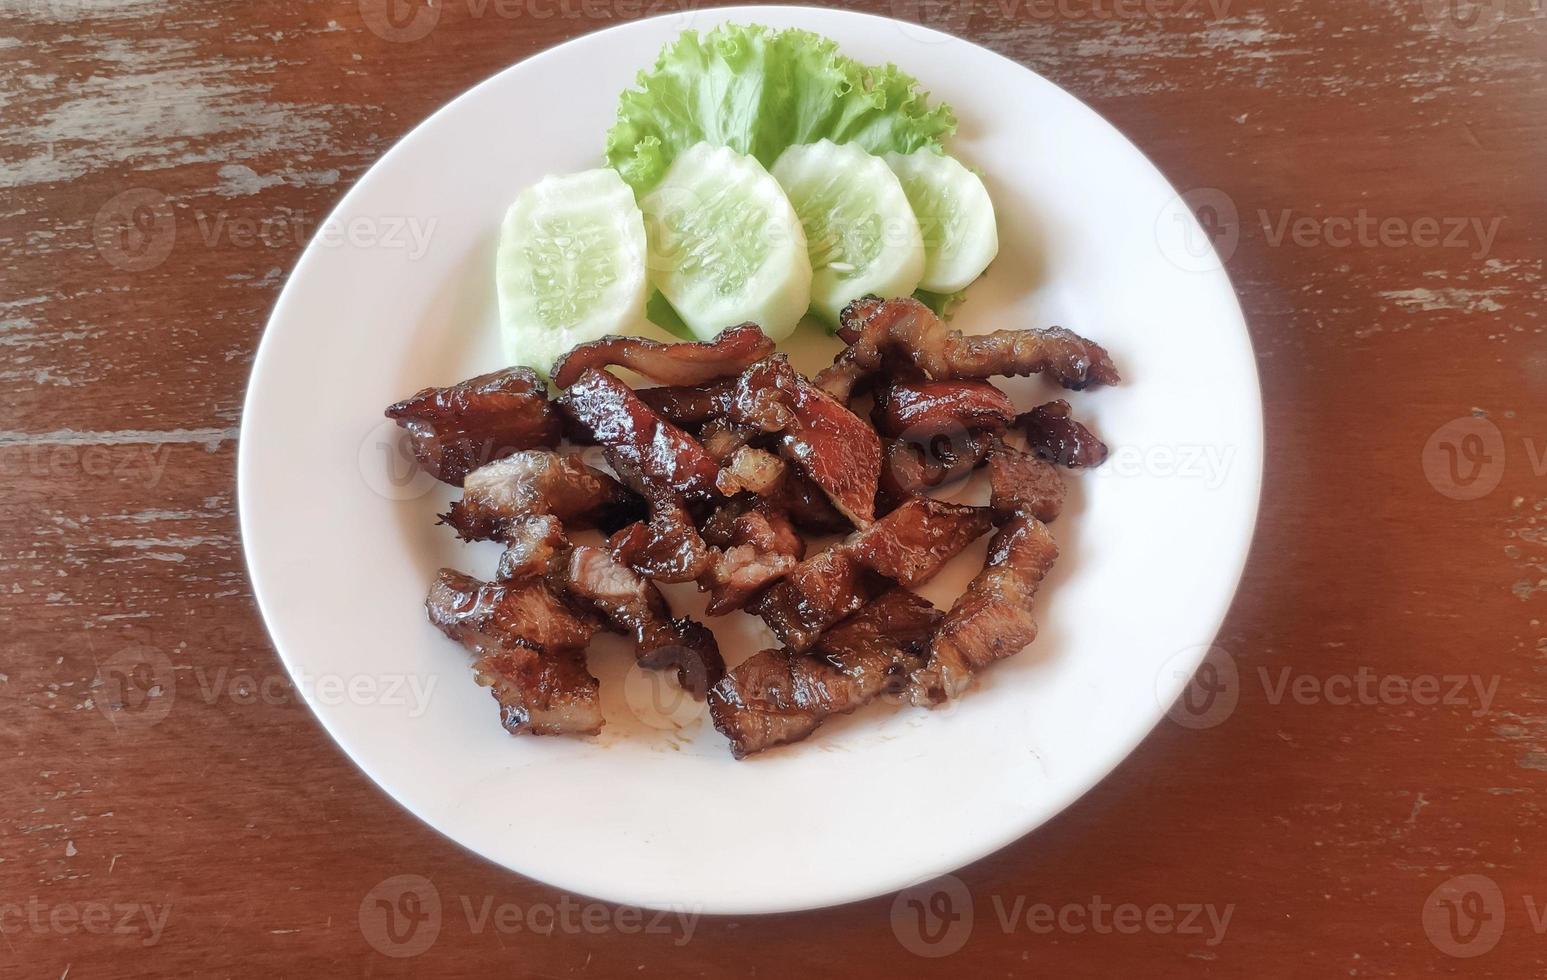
point(1052, 433)
point(529, 652)
point(992, 620)
point(539, 481)
point(672, 364)
point(776, 697)
point(875, 328)
point(455, 430)
point(906, 546)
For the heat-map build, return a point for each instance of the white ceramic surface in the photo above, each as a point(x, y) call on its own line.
point(341, 542)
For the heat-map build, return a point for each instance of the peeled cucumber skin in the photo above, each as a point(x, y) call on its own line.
point(595, 202)
point(725, 246)
point(851, 202)
point(958, 248)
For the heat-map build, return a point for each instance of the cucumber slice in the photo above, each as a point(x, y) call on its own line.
point(725, 245)
point(861, 232)
point(570, 266)
point(955, 214)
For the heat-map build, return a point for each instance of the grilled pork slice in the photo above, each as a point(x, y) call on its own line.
point(634, 606)
point(1053, 434)
point(657, 460)
point(549, 693)
point(484, 616)
point(808, 507)
point(913, 465)
point(667, 547)
point(539, 481)
point(528, 645)
point(829, 443)
point(1021, 483)
point(455, 430)
point(907, 546)
point(777, 697)
point(690, 406)
point(920, 409)
point(907, 329)
point(919, 537)
point(532, 544)
point(591, 579)
point(758, 546)
point(992, 619)
point(647, 452)
point(670, 364)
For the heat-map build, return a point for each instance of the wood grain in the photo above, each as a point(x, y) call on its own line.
point(218, 831)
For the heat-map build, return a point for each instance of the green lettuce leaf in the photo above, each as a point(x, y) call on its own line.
point(944, 304)
point(758, 91)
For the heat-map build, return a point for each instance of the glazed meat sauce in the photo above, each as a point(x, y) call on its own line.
point(718, 473)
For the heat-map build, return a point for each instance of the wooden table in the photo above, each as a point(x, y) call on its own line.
point(1375, 175)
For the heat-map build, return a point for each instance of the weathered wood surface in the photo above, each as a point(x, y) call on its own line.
point(1403, 531)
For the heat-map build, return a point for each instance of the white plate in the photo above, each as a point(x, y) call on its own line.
point(341, 544)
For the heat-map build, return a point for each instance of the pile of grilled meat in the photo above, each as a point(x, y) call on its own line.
point(716, 474)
